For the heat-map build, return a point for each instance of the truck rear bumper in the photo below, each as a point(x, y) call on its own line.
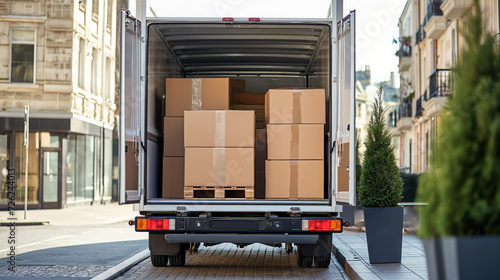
point(242, 238)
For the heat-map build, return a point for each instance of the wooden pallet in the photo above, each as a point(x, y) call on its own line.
point(198, 192)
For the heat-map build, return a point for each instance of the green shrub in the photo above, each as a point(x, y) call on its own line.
point(410, 184)
point(463, 188)
point(380, 183)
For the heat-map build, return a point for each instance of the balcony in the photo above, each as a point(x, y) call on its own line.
point(404, 116)
point(420, 35)
point(404, 54)
point(440, 83)
point(418, 108)
point(436, 23)
point(393, 118)
point(455, 9)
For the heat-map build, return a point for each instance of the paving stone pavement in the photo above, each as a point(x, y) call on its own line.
point(226, 261)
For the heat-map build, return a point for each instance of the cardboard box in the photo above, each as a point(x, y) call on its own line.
point(219, 129)
point(131, 167)
point(173, 177)
point(260, 184)
point(245, 98)
point(296, 179)
point(260, 149)
point(173, 137)
point(260, 116)
point(295, 141)
point(237, 85)
point(219, 167)
point(295, 106)
point(195, 94)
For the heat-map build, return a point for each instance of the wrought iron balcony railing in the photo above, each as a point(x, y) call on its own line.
point(440, 83)
point(405, 110)
point(419, 110)
point(433, 9)
point(393, 118)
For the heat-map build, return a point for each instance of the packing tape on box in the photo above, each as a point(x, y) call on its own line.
point(296, 106)
point(220, 166)
point(294, 179)
point(220, 129)
point(196, 94)
point(294, 142)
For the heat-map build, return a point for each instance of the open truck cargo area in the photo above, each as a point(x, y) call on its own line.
point(265, 54)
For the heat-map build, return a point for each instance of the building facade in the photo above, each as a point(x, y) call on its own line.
point(60, 60)
point(435, 47)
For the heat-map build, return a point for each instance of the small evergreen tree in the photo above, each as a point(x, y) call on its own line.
point(463, 188)
point(380, 184)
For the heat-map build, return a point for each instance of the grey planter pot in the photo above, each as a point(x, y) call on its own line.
point(471, 257)
point(434, 256)
point(384, 234)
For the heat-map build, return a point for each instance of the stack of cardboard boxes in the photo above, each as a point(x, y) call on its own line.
point(186, 94)
point(219, 154)
point(295, 143)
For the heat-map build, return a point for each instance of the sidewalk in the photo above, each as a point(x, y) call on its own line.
point(351, 250)
point(78, 215)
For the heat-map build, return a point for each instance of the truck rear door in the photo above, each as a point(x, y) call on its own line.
point(130, 108)
point(344, 110)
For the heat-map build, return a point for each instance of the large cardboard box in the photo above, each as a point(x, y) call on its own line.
point(246, 98)
point(219, 167)
point(173, 177)
point(260, 119)
point(296, 106)
point(195, 94)
point(237, 85)
point(173, 137)
point(295, 141)
point(296, 179)
point(219, 128)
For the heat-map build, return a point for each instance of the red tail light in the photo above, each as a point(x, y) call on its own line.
point(254, 19)
point(155, 224)
point(321, 225)
point(227, 19)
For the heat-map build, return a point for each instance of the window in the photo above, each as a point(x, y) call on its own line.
point(107, 81)
point(71, 169)
point(109, 20)
point(89, 167)
point(95, 10)
point(93, 86)
point(454, 45)
point(22, 58)
point(4, 166)
point(81, 64)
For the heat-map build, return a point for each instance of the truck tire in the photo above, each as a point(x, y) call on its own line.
point(303, 261)
point(159, 260)
point(179, 259)
point(322, 261)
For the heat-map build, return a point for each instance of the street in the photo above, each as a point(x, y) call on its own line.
point(59, 252)
point(226, 261)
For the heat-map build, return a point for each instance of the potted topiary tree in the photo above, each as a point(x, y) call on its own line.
point(380, 191)
point(463, 186)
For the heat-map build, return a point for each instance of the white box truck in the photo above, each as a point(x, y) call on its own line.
point(267, 53)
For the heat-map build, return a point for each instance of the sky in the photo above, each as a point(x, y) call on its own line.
point(376, 22)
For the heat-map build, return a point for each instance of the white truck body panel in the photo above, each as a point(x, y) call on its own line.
point(330, 65)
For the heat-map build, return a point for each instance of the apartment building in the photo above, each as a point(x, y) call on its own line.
point(59, 58)
point(434, 50)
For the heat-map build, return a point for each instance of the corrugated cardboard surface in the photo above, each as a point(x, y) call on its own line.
point(295, 106)
point(260, 120)
point(219, 167)
point(131, 168)
point(237, 85)
point(248, 98)
point(295, 141)
point(219, 129)
point(300, 179)
point(211, 94)
point(173, 177)
point(173, 138)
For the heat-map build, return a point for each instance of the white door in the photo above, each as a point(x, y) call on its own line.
point(130, 108)
point(344, 163)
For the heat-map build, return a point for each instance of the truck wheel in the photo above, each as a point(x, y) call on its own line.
point(322, 261)
point(179, 259)
point(159, 260)
point(303, 261)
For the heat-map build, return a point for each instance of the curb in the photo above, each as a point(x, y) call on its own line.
point(123, 266)
point(345, 264)
point(33, 223)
